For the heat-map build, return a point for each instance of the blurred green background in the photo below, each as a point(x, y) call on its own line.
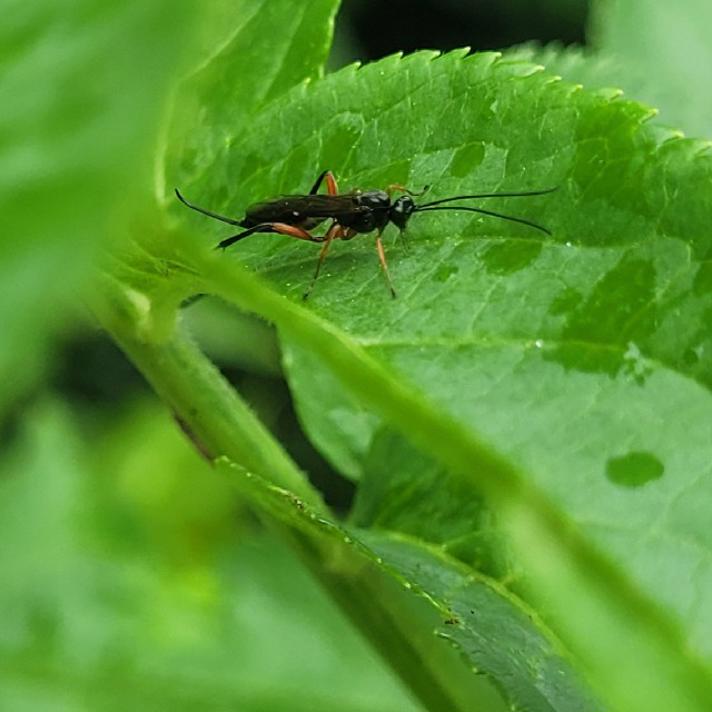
point(130, 577)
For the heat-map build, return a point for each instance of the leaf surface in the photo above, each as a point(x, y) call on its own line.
point(585, 358)
point(495, 634)
point(136, 589)
point(272, 47)
point(79, 118)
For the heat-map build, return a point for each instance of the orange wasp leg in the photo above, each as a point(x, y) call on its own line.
point(331, 186)
point(384, 264)
point(279, 228)
point(335, 232)
point(397, 187)
point(294, 231)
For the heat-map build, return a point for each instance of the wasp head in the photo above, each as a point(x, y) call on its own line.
point(401, 210)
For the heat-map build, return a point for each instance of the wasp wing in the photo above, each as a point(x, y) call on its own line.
point(297, 209)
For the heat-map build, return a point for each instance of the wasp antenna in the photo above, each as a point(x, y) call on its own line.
point(478, 196)
point(490, 213)
point(209, 213)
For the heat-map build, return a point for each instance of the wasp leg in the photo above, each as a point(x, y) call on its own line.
point(384, 264)
point(333, 233)
point(317, 184)
point(331, 187)
point(393, 187)
point(279, 228)
point(294, 231)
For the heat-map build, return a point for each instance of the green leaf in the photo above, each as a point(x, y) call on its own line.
point(338, 425)
point(217, 421)
point(579, 65)
point(135, 589)
point(662, 52)
point(83, 90)
point(656, 52)
point(495, 634)
point(272, 47)
point(567, 355)
point(404, 491)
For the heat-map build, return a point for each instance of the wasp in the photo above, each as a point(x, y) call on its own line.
point(351, 214)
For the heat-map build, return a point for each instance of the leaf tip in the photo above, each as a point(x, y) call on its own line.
point(651, 113)
point(460, 52)
point(705, 149)
point(425, 55)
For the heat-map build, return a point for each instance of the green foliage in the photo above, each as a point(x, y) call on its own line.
point(618, 324)
point(82, 91)
point(662, 52)
point(527, 424)
point(272, 48)
point(656, 52)
point(183, 613)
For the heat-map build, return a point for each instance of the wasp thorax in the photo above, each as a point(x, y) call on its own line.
point(374, 199)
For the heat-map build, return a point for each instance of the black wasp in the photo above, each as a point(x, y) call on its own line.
point(350, 214)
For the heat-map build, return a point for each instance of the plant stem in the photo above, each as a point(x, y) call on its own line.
point(220, 424)
point(211, 413)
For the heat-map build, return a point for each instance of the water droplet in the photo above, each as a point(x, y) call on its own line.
point(539, 343)
point(569, 244)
